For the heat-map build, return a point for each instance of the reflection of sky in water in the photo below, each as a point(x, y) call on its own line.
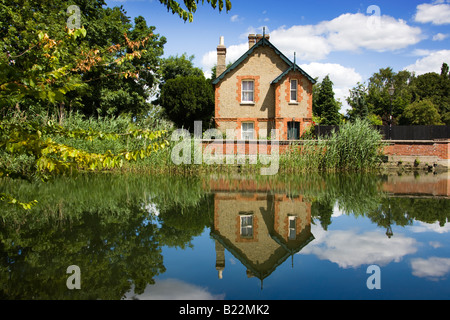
point(415, 264)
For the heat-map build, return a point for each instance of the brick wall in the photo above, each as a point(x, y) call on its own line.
point(439, 149)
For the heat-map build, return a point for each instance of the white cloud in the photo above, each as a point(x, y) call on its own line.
point(236, 18)
point(348, 32)
point(173, 289)
point(430, 63)
point(435, 244)
point(436, 13)
point(343, 78)
point(350, 249)
point(440, 37)
point(234, 52)
point(304, 40)
point(432, 268)
point(337, 212)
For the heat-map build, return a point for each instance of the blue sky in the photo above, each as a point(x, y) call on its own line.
point(347, 40)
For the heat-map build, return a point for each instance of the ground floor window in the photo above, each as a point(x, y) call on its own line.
point(293, 130)
point(247, 131)
point(246, 224)
point(292, 228)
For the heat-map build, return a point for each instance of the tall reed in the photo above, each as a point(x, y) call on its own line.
point(355, 147)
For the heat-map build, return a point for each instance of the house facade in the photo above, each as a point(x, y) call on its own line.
point(261, 91)
point(261, 230)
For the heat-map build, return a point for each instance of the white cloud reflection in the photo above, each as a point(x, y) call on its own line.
point(174, 289)
point(433, 268)
point(430, 227)
point(350, 249)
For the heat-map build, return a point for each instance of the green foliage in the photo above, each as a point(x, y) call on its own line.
point(178, 66)
point(106, 65)
point(326, 107)
point(112, 226)
point(191, 7)
point(355, 147)
point(188, 99)
point(11, 200)
point(404, 104)
point(434, 88)
point(381, 103)
point(421, 113)
point(51, 157)
point(358, 103)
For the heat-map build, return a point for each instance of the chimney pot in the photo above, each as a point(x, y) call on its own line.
point(221, 57)
point(251, 40)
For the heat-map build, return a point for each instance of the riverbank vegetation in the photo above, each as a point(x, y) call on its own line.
point(76, 92)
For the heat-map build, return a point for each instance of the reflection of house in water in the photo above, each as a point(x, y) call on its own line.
point(261, 230)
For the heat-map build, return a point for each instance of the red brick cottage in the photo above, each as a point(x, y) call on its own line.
point(261, 91)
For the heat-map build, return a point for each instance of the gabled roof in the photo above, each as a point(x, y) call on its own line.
point(265, 42)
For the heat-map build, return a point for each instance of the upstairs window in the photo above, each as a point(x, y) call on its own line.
point(294, 90)
point(248, 91)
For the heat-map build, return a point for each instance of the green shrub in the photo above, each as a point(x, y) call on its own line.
point(357, 146)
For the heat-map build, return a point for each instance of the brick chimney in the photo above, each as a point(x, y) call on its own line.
point(221, 57)
point(254, 38)
point(251, 40)
point(260, 36)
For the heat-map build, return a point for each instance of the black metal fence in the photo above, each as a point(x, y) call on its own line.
point(398, 132)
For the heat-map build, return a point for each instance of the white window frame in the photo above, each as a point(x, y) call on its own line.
point(292, 230)
point(246, 230)
point(294, 89)
point(247, 132)
point(247, 91)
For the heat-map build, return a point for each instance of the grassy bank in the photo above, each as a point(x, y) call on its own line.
point(356, 147)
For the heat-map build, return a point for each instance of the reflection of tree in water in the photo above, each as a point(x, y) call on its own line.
point(363, 195)
point(100, 224)
point(103, 225)
point(110, 256)
point(402, 211)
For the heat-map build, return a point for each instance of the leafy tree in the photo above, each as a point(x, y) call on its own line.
point(358, 101)
point(422, 112)
point(380, 102)
point(326, 106)
point(126, 86)
point(174, 67)
point(188, 99)
point(106, 64)
point(435, 88)
point(179, 66)
point(191, 7)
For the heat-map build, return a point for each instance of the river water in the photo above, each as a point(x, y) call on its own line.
point(228, 237)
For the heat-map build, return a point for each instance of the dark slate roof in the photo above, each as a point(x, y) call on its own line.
point(265, 42)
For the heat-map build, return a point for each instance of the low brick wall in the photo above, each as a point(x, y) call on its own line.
point(428, 185)
point(438, 148)
point(426, 151)
point(434, 152)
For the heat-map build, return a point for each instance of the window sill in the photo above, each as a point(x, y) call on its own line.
point(293, 103)
point(247, 103)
